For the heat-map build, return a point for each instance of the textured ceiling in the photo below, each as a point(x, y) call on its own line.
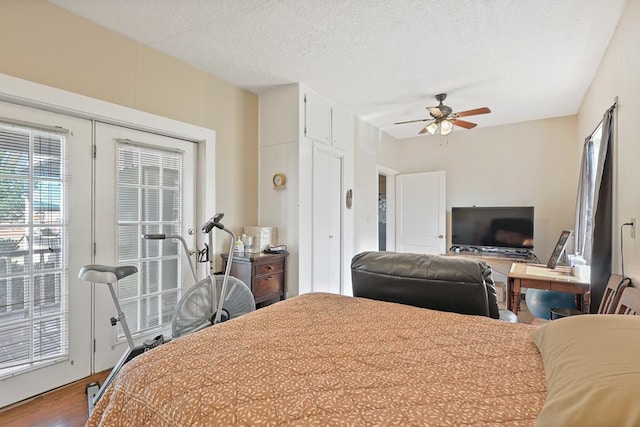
point(385, 59)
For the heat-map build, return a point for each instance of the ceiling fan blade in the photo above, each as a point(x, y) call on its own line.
point(423, 131)
point(462, 123)
point(411, 121)
point(435, 112)
point(483, 110)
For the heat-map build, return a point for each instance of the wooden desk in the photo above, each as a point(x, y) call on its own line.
point(540, 277)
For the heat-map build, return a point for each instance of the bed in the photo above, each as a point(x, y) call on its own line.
point(324, 359)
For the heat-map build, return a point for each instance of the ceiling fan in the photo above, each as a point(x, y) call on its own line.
point(443, 118)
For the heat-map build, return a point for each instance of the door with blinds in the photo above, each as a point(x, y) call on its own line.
point(45, 237)
point(145, 184)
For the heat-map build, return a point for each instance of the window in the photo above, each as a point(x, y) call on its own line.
point(149, 201)
point(594, 151)
point(586, 192)
point(33, 257)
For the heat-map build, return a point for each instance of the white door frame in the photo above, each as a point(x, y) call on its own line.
point(391, 204)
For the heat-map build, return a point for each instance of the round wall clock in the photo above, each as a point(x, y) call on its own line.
point(279, 180)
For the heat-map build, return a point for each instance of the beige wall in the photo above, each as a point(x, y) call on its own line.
point(619, 75)
point(528, 164)
point(48, 45)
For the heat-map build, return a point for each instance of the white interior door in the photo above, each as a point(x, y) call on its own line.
point(421, 213)
point(327, 222)
point(45, 237)
point(144, 184)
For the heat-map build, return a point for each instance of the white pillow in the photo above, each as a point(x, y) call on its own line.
point(592, 368)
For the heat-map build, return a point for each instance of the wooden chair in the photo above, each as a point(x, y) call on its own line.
point(629, 302)
point(612, 293)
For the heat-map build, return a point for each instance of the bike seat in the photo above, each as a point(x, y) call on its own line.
point(105, 274)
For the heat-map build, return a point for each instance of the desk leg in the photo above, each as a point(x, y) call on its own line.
point(513, 294)
point(586, 302)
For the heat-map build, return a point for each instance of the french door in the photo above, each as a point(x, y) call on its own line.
point(59, 206)
point(144, 184)
point(45, 237)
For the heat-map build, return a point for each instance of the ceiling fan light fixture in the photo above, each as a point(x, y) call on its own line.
point(446, 127)
point(443, 119)
point(432, 128)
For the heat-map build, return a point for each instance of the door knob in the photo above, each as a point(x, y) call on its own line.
point(441, 237)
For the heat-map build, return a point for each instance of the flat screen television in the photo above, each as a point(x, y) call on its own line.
point(503, 227)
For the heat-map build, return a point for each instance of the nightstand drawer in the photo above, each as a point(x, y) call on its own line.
point(269, 268)
point(269, 284)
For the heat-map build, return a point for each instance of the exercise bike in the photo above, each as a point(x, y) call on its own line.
point(199, 313)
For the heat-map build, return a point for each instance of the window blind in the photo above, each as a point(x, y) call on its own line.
point(34, 311)
point(149, 200)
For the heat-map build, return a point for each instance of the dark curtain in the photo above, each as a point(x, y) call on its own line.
point(603, 216)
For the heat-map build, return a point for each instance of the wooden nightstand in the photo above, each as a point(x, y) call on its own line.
point(263, 273)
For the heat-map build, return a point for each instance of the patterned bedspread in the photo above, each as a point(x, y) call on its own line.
point(322, 359)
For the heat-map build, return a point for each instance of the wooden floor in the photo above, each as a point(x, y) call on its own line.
point(63, 407)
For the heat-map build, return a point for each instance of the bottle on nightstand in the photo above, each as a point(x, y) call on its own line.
point(239, 246)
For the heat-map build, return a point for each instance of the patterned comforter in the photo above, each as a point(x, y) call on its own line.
point(323, 359)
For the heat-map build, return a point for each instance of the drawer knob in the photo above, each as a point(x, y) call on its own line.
point(269, 278)
point(269, 267)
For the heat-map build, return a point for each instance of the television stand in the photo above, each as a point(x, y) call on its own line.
point(523, 254)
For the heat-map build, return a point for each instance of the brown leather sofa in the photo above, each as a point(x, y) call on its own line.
point(455, 284)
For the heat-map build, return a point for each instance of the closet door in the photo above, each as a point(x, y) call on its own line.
point(327, 222)
point(45, 238)
point(144, 185)
point(317, 118)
